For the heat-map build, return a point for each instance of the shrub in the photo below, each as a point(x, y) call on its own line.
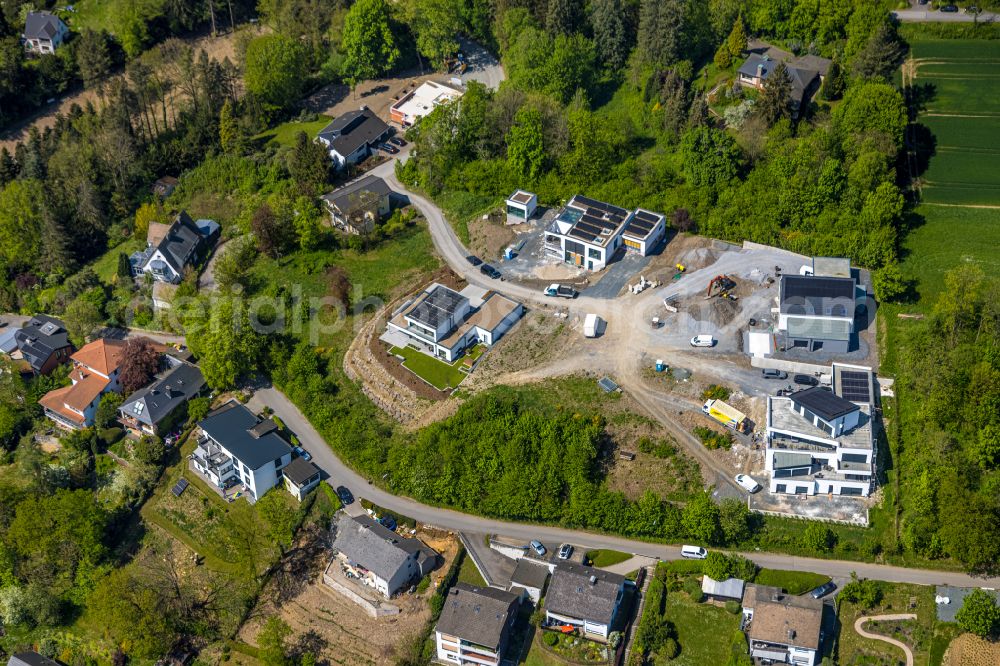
point(712, 439)
point(111, 435)
point(670, 649)
point(693, 588)
point(864, 593)
point(733, 606)
point(715, 392)
point(550, 638)
point(424, 583)
point(818, 537)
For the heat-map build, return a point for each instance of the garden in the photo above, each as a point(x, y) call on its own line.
point(439, 374)
point(574, 649)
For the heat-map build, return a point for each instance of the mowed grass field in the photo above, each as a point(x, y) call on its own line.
point(961, 82)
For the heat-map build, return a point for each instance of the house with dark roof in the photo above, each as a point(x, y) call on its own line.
point(782, 628)
point(157, 408)
point(805, 74)
point(30, 659)
point(529, 578)
point(588, 233)
point(475, 625)
point(301, 476)
point(822, 441)
point(235, 446)
point(172, 249)
point(352, 137)
point(816, 310)
point(444, 323)
point(44, 32)
point(378, 557)
point(42, 343)
point(586, 598)
point(95, 373)
point(358, 206)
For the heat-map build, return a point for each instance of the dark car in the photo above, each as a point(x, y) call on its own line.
point(474, 260)
point(399, 141)
point(489, 271)
point(392, 150)
point(823, 590)
point(949, 9)
point(345, 495)
point(805, 380)
point(771, 373)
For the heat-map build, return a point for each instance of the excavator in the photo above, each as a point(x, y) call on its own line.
point(720, 285)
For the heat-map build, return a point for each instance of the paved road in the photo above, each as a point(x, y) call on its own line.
point(341, 474)
point(859, 627)
point(929, 16)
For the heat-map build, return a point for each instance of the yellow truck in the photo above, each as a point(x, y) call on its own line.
point(726, 414)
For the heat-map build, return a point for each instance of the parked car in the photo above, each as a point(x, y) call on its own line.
point(302, 453)
point(747, 483)
point(565, 551)
point(388, 148)
point(824, 589)
point(560, 290)
point(694, 552)
point(773, 373)
point(805, 380)
point(399, 141)
point(537, 546)
point(949, 9)
point(474, 260)
point(703, 341)
point(345, 495)
point(489, 271)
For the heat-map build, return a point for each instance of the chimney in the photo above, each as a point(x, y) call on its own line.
point(593, 580)
point(760, 70)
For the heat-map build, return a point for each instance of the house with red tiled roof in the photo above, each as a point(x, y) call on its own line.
point(95, 372)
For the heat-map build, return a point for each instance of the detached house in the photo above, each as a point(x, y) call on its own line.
point(805, 73)
point(782, 628)
point(817, 310)
point(170, 249)
point(586, 598)
point(358, 206)
point(235, 446)
point(414, 105)
point(380, 558)
point(350, 138)
point(301, 476)
point(475, 625)
point(44, 32)
point(156, 409)
point(30, 659)
point(42, 343)
point(95, 373)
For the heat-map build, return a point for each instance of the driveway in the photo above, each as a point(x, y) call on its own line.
point(206, 281)
point(482, 66)
point(617, 276)
point(917, 15)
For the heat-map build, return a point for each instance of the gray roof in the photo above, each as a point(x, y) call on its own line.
point(956, 597)
point(230, 426)
point(584, 592)
point(354, 129)
point(479, 615)
point(824, 404)
point(347, 197)
point(182, 243)
point(30, 659)
point(529, 574)
point(158, 400)
point(41, 25)
point(40, 338)
point(8, 340)
point(300, 471)
point(819, 329)
point(371, 545)
point(731, 588)
point(801, 76)
point(832, 266)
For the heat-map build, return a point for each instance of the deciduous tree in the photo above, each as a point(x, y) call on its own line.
point(139, 362)
point(979, 614)
point(275, 70)
point(368, 41)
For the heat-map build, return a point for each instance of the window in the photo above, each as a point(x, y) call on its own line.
point(855, 457)
point(801, 490)
point(850, 491)
point(593, 254)
point(781, 488)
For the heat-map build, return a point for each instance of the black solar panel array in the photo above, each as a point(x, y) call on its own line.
point(854, 386)
point(823, 403)
point(799, 286)
point(601, 206)
point(642, 223)
point(436, 307)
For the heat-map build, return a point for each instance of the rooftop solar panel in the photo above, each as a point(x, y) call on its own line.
point(652, 218)
point(576, 232)
point(854, 386)
point(822, 403)
point(800, 286)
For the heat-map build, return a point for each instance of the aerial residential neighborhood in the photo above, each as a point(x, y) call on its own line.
point(521, 333)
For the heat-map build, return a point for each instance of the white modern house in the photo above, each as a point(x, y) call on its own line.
point(816, 310)
point(443, 322)
point(378, 557)
point(521, 205)
point(822, 441)
point(416, 104)
point(782, 628)
point(588, 233)
point(475, 625)
point(351, 137)
point(44, 32)
point(235, 446)
point(586, 598)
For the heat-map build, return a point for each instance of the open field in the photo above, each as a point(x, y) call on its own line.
point(284, 134)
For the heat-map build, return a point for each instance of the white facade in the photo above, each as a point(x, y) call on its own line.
point(588, 233)
point(588, 627)
point(40, 43)
point(220, 465)
point(387, 587)
point(417, 104)
point(453, 650)
point(521, 206)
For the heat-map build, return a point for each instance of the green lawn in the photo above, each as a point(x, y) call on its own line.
point(792, 582)
point(703, 630)
point(469, 574)
point(606, 558)
point(100, 14)
point(284, 134)
point(106, 266)
point(437, 373)
point(920, 634)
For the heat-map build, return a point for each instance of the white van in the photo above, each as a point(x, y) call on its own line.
point(694, 552)
point(702, 341)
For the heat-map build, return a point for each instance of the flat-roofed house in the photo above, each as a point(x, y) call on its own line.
point(782, 628)
point(585, 597)
point(475, 625)
point(378, 557)
point(521, 206)
point(444, 322)
point(416, 104)
point(817, 311)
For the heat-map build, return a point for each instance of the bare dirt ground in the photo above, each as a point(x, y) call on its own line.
point(538, 340)
point(488, 235)
point(970, 650)
point(218, 47)
point(336, 629)
point(378, 95)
